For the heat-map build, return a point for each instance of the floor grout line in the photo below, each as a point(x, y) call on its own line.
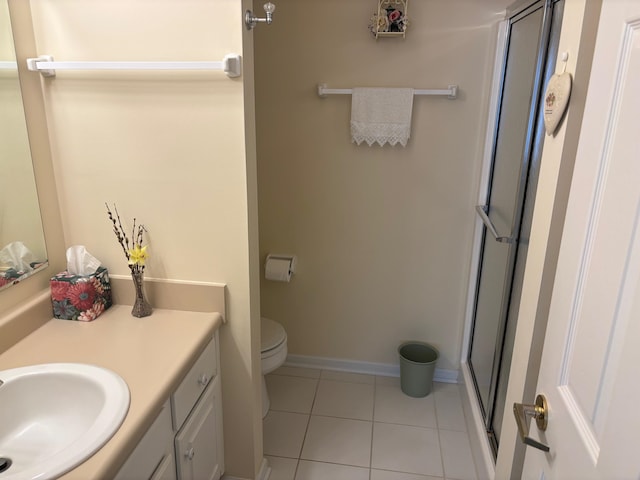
point(435, 408)
point(306, 431)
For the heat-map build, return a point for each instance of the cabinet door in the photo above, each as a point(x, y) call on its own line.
point(197, 442)
point(151, 451)
point(166, 470)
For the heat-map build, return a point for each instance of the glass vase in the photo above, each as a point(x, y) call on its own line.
point(141, 308)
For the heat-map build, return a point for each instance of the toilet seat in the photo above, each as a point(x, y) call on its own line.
point(272, 335)
point(273, 345)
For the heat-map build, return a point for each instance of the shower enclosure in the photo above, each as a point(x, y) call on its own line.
point(533, 30)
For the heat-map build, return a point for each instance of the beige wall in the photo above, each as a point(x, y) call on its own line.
point(169, 149)
point(383, 235)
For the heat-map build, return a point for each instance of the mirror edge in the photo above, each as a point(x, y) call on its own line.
point(33, 101)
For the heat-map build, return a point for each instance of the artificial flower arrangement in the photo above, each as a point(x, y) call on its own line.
point(136, 254)
point(391, 18)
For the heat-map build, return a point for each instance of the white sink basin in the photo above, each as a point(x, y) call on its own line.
point(55, 416)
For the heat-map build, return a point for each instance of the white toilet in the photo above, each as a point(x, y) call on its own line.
point(273, 350)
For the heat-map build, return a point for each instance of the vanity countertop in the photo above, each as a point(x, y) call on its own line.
point(152, 354)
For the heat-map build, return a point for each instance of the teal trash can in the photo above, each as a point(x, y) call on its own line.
point(417, 364)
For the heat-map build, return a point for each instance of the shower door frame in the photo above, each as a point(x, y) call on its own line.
point(532, 149)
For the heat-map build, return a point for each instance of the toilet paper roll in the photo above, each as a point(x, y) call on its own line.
point(278, 269)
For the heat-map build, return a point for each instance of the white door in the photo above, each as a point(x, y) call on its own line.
point(590, 372)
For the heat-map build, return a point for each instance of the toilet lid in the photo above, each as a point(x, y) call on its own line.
point(272, 334)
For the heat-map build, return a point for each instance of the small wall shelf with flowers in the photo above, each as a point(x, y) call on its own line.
point(390, 20)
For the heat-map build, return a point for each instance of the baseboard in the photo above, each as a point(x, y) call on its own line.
point(265, 470)
point(263, 474)
point(480, 448)
point(355, 366)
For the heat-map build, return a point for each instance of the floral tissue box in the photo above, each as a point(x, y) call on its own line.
point(80, 297)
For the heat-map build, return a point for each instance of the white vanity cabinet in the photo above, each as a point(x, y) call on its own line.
point(153, 453)
point(166, 470)
point(197, 419)
point(198, 443)
point(185, 442)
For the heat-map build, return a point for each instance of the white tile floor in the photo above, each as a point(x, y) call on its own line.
point(326, 425)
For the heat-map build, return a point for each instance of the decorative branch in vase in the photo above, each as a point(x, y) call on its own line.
point(137, 255)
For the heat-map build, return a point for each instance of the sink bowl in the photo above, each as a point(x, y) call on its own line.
point(55, 416)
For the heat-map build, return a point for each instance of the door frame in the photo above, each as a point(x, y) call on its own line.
point(579, 28)
point(532, 144)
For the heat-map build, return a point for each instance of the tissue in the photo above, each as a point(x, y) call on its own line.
point(17, 256)
point(81, 262)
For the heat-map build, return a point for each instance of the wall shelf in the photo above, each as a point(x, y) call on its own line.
point(390, 20)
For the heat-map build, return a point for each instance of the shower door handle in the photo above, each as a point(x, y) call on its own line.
point(482, 212)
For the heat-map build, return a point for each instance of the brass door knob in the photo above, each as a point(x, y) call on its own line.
point(523, 412)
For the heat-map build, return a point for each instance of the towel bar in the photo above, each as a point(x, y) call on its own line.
point(450, 92)
point(45, 64)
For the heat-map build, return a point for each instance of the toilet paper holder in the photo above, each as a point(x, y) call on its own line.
point(292, 259)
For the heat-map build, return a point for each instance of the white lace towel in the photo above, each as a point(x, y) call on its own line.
point(381, 115)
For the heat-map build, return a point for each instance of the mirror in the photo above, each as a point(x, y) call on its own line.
point(22, 245)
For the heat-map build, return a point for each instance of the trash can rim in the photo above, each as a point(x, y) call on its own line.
point(424, 344)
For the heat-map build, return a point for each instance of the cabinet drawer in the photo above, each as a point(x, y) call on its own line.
point(149, 453)
point(194, 383)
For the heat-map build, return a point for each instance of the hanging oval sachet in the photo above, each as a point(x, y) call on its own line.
point(556, 98)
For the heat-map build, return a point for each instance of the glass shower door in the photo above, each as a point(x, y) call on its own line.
point(503, 212)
